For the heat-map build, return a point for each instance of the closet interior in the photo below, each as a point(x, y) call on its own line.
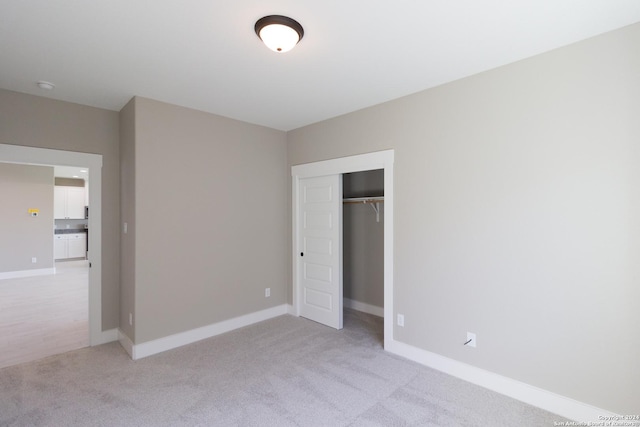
point(363, 241)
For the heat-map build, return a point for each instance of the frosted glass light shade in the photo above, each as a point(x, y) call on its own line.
point(279, 33)
point(279, 38)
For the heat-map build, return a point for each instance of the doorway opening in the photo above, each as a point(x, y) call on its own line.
point(22, 155)
point(44, 301)
point(363, 248)
point(311, 195)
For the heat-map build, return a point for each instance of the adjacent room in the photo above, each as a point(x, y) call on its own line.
point(397, 214)
point(44, 268)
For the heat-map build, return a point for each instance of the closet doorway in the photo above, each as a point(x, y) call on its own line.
point(317, 209)
point(363, 241)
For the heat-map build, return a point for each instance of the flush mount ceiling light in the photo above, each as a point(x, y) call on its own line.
point(45, 85)
point(279, 33)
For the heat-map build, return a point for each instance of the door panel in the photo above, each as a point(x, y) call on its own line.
point(321, 273)
point(319, 244)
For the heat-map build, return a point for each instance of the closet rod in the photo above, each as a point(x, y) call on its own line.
point(374, 202)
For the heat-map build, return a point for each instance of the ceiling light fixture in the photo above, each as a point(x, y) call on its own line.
point(279, 33)
point(45, 85)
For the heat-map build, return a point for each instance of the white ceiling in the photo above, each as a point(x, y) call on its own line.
point(71, 172)
point(205, 54)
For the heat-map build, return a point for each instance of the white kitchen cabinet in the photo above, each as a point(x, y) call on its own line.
point(77, 245)
point(68, 202)
point(69, 245)
point(59, 246)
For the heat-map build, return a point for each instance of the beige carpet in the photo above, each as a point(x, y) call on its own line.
point(286, 371)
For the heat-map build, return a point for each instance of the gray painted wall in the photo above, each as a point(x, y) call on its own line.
point(363, 239)
point(210, 223)
point(69, 182)
point(127, 215)
point(363, 184)
point(516, 215)
point(23, 187)
point(46, 123)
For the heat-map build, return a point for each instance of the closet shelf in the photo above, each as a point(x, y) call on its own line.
point(364, 199)
point(374, 202)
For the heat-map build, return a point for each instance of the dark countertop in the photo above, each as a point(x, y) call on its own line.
point(70, 231)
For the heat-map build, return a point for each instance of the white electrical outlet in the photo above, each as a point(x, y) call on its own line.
point(34, 260)
point(131, 319)
point(400, 319)
point(125, 228)
point(471, 339)
point(267, 292)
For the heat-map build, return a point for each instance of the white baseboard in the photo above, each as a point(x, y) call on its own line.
point(555, 403)
point(364, 307)
point(106, 336)
point(126, 343)
point(27, 273)
point(138, 351)
point(290, 310)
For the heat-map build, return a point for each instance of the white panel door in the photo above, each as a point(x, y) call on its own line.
point(320, 249)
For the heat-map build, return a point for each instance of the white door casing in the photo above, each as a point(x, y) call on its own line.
point(320, 249)
point(45, 156)
point(358, 163)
